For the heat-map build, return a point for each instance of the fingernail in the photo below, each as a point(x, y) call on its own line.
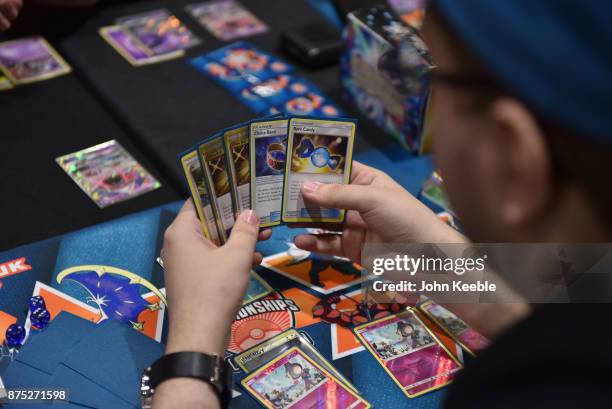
point(310, 186)
point(250, 217)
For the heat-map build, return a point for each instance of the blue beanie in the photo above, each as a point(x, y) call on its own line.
point(554, 54)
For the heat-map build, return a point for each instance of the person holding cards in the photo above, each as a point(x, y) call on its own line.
point(524, 142)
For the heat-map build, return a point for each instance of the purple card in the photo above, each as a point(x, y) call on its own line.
point(31, 59)
point(226, 19)
point(132, 50)
point(159, 31)
point(409, 353)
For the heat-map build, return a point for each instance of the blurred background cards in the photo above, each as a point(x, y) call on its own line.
point(28, 60)
point(149, 37)
point(107, 173)
point(226, 19)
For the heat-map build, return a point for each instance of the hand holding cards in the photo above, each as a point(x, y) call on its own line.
point(262, 165)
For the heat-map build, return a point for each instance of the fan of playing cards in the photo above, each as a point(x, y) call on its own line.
point(262, 164)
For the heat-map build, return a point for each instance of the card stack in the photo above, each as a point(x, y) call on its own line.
point(264, 83)
point(29, 60)
point(262, 165)
point(149, 37)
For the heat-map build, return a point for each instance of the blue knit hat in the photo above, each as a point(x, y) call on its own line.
point(554, 54)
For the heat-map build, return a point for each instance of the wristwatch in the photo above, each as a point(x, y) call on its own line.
point(211, 369)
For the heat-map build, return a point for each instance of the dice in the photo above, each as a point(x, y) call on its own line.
point(15, 335)
point(40, 317)
point(35, 302)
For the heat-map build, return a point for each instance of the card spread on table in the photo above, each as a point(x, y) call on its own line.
point(107, 173)
point(268, 147)
point(236, 142)
point(226, 19)
point(265, 352)
point(455, 327)
point(295, 380)
point(200, 195)
point(149, 37)
point(264, 83)
point(409, 353)
point(318, 151)
point(30, 59)
point(212, 157)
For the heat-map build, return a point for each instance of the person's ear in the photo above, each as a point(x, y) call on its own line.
point(527, 180)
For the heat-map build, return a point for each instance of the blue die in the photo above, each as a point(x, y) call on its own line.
point(15, 335)
point(40, 317)
point(36, 302)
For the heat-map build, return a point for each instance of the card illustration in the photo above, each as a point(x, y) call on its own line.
point(237, 154)
point(226, 19)
point(31, 59)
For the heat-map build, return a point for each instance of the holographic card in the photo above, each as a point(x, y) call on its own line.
point(226, 19)
point(107, 173)
point(409, 352)
point(295, 380)
point(318, 151)
point(159, 31)
point(31, 59)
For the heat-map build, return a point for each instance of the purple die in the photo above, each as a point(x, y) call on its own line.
point(15, 335)
point(35, 302)
point(40, 317)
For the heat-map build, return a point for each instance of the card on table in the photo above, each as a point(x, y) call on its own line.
point(409, 353)
point(107, 173)
point(5, 83)
point(309, 104)
point(226, 19)
point(318, 151)
point(295, 380)
point(131, 49)
point(265, 352)
point(236, 141)
point(268, 151)
point(212, 157)
point(31, 59)
point(200, 194)
point(455, 327)
point(159, 31)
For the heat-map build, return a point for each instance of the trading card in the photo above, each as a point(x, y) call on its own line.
point(263, 353)
point(5, 83)
point(318, 151)
point(31, 59)
point(257, 288)
point(212, 157)
point(295, 380)
point(226, 19)
point(409, 353)
point(455, 327)
point(131, 49)
point(107, 173)
point(250, 61)
point(236, 142)
point(159, 31)
point(199, 194)
point(268, 151)
point(229, 78)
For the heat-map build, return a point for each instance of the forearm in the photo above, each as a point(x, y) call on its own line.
point(185, 393)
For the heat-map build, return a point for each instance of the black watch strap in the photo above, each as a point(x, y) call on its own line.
point(211, 369)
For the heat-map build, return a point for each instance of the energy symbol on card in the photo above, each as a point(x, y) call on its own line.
point(115, 291)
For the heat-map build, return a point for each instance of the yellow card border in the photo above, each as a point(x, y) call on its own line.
point(289, 156)
point(313, 363)
point(252, 166)
point(65, 67)
point(409, 310)
point(231, 165)
point(202, 151)
point(443, 327)
point(152, 59)
point(193, 189)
